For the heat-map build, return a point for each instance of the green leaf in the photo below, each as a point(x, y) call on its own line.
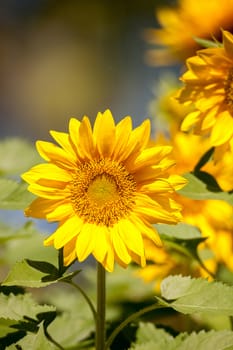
point(197, 189)
point(220, 340)
point(14, 195)
point(190, 295)
point(15, 307)
point(24, 275)
point(33, 341)
point(180, 231)
point(5, 326)
point(43, 266)
point(16, 156)
point(149, 337)
point(183, 238)
point(204, 159)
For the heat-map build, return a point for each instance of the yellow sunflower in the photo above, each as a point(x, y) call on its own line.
point(180, 24)
point(209, 86)
point(105, 187)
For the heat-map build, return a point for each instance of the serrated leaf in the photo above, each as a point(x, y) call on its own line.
point(217, 340)
point(15, 307)
point(33, 341)
point(16, 155)
point(192, 295)
point(197, 189)
point(14, 195)
point(151, 338)
point(5, 327)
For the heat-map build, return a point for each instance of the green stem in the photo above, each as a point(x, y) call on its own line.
point(101, 304)
point(128, 320)
point(88, 300)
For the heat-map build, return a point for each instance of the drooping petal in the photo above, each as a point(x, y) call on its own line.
point(85, 242)
point(131, 236)
point(69, 253)
point(119, 245)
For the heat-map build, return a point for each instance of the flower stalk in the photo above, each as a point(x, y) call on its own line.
point(101, 304)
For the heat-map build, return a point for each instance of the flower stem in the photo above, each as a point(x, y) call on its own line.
point(101, 301)
point(128, 320)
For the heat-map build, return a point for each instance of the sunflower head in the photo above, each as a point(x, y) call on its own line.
point(181, 23)
point(105, 186)
point(209, 89)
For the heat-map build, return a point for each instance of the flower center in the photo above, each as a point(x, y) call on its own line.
point(102, 192)
point(229, 91)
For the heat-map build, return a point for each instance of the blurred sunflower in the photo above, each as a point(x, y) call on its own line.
point(180, 24)
point(214, 218)
point(209, 86)
point(105, 186)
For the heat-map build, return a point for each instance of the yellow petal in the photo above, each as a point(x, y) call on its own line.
point(228, 42)
point(47, 171)
point(102, 243)
point(123, 131)
point(86, 145)
point(104, 133)
point(108, 262)
point(131, 236)
point(69, 253)
point(63, 139)
point(146, 229)
point(138, 140)
point(66, 231)
point(85, 242)
point(222, 131)
point(119, 245)
point(190, 120)
point(51, 152)
point(153, 210)
point(61, 212)
point(40, 207)
point(158, 186)
point(149, 156)
point(45, 191)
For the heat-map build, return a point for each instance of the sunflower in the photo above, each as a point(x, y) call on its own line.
point(105, 187)
point(209, 86)
point(180, 24)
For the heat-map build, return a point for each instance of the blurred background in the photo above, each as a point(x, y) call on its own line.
point(70, 58)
